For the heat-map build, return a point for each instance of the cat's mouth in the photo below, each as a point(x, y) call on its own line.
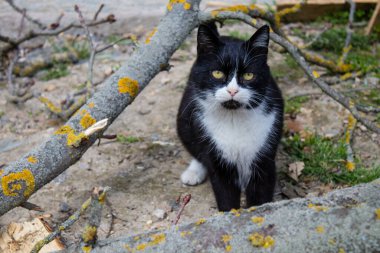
point(231, 104)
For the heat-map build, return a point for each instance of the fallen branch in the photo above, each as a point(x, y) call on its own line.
point(184, 202)
point(345, 220)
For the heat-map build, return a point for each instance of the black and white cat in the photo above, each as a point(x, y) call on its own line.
point(230, 118)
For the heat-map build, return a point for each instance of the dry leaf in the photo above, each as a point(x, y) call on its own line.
point(295, 170)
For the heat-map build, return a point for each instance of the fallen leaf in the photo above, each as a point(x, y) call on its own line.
point(295, 170)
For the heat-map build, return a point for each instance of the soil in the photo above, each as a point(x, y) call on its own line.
point(143, 176)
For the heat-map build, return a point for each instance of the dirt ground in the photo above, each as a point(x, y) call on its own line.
point(143, 176)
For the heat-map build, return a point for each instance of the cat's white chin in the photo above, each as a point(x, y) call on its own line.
point(195, 174)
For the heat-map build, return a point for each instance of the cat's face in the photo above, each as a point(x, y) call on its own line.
point(230, 73)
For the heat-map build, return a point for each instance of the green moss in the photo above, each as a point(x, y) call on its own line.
point(325, 160)
point(341, 17)
point(127, 139)
point(293, 106)
point(1, 114)
point(57, 71)
point(287, 68)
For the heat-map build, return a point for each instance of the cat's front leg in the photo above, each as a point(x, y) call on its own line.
point(261, 186)
point(195, 174)
point(226, 192)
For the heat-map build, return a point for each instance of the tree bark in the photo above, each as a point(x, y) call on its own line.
point(346, 220)
point(22, 178)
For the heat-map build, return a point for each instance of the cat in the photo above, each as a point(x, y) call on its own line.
point(230, 118)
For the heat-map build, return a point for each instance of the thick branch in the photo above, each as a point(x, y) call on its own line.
point(22, 178)
point(346, 220)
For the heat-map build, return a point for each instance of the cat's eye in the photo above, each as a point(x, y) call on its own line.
point(217, 74)
point(248, 76)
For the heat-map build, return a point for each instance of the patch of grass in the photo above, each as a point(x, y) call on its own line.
point(57, 71)
point(81, 48)
point(293, 106)
point(341, 17)
point(127, 139)
point(334, 39)
point(325, 160)
point(1, 114)
point(365, 61)
point(239, 35)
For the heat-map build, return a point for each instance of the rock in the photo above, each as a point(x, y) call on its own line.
point(64, 207)
point(159, 214)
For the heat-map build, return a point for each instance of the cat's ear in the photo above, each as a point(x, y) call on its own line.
point(208, 38)
point(260, 38)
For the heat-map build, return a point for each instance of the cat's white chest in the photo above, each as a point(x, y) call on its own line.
point(238, 136)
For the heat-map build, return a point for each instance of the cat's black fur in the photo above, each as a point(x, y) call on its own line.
point(227, 54)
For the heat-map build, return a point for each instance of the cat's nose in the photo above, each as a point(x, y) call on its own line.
point(232, 91)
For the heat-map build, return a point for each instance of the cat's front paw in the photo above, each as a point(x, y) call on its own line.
point(195, 174)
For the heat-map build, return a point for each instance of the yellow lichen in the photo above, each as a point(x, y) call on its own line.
point(150, 35)
point(86, 121)
point(50, 105)
point(332, 241)
point(318, 208)
point(286, 11)
point(200, 221)
point(127, 247)
point(236, 212)
point(141, 246)
point(259, 240)
point(234, 8)
point(185, 233)
point(87, 248)
point(251, 209)
point(73, 140)
point(341, 250)
point(157, 239)
point(91, 105)
point(14, 183)
point(350, 166)
point(257, 220)
point(136, 238)
point(226, 238)
point(377, 212)
point(346, 76)
point(128, 85)
point(89, 233)
point(320, 229)
point(185, 4)
point(316, 74)
point(228, 248)
point(32, 159)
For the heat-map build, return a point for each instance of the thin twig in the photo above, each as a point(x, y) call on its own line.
point(349, 31)
point(32, 207)
point(185, 201)
point(327, 27)
point(29, 18)
point(98, 11)
point(350, 163)
point(21, 28)
point(57, 22)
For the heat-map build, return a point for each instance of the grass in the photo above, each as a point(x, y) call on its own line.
point(293, 106)
point(127, 139)
point(341, 17)
point(57, 71)
point(239, 35)
point(325, 160)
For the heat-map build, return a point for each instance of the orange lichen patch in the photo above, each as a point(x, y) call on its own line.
point(235, 212)
point(141, 246)
point(128, 85)
point(226, 238)
point(91, 105)
point(14, 183)
point(86, 121)
point(257, 219)
point(87, 249)
point(318, 208)
point(186, 5)
point(377, 213)
point(150, 35)
point(350, 166)
point(316, 74)
point(286, 11)
point(50, 105)
point(32, 159)
point(185, 233)
point(157, 239)
point(72, 138)
point(89, 233)
point(200, 221)
point(259, 240)
point(320, 229)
